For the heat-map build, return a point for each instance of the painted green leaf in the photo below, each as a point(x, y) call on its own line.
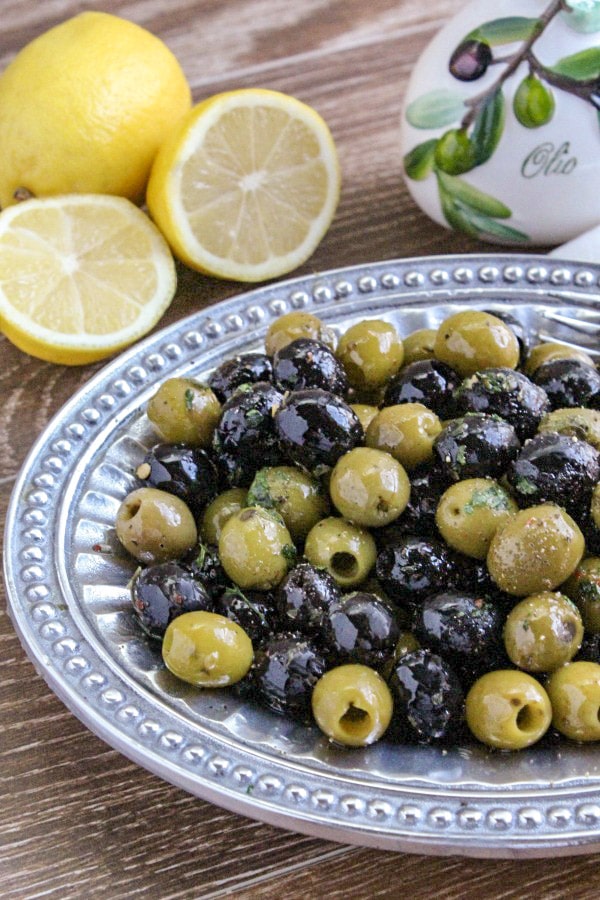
point(471, 196)
point(582, 66)
point(488, 227)
point(453, 214)
point(435, 109)
point(506, 30)
point(488, 127)
point(418, 162)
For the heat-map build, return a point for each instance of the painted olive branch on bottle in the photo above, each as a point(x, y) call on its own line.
point(481, 118)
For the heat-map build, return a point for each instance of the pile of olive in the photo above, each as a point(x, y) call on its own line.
point(381, 535)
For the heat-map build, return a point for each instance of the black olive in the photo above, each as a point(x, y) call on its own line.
point(187, 472)
point(569, 383)
point(428, 698)
point(427, 485)
point(305, 363)
point(254, 611)
point(315, 428)
point(248, 368)
point(520, 331)
point(304, 598)
point(363, 629)
point(556, 468)
point(476, 446)
point(505, 393)
point(470, 60)
point(426, 381)
point(414, 567)
point(161, 593)
point(284, 674)
point(464, 628)
point(245, 439)
point(590, 648)
point(205, 565)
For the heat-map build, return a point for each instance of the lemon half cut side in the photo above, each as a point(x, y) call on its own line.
point(247, 185)
point(81, 276)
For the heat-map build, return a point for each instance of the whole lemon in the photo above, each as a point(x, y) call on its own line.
point(85, 107)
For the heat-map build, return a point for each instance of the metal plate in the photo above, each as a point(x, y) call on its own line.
point(66, 577)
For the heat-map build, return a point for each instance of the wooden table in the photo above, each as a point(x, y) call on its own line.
point(78, 819)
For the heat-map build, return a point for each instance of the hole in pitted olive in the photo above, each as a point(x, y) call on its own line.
point(527, 718)
point(344, 564)
point(354, 720)
point(131, 509)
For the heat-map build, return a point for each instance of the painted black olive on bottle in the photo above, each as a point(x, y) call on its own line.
point(428, 698)
point(363, 629)
point(304, 599)
point(285, 671)
point(466, 629)
point(315, 428)
point(569, 383)
point(245, 439)
point(470, 61)
point(162, 592)
point(556, 468)
point(248, 368)
point(426, 381)
point(187, 472)
point(253, 611)
point(205, 565)
point(520, 331)
point(505, 393)
point(305, 363)
point(476, 445)
point(414, 567)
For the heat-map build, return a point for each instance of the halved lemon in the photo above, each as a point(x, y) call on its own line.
point(247, 185)
point(81, 276)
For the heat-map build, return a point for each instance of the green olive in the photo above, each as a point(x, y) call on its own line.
point(294, 325)
point(543, 632)
point(366, 412)
point(184, 412)
point(369, 487)
point(508, 709)
point(472, 340)
point(218, 511)
point(407, 431)
point(352, 705)
point(206, 649)
point(583, 587)
point(347, 551)
point(533, 102)
point(595, 506)
point(296, 496)
point(155, 526)
point(574, 692)
point(370, 352)
point(419, 345)
point(579, 422)
point(547, 351)
point(256, 549)
point(455, 152)
point(535, 550)
point(470, 512)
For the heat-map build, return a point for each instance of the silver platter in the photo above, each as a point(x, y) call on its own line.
point(66, 578)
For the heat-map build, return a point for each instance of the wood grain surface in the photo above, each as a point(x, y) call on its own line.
point(78, 820)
